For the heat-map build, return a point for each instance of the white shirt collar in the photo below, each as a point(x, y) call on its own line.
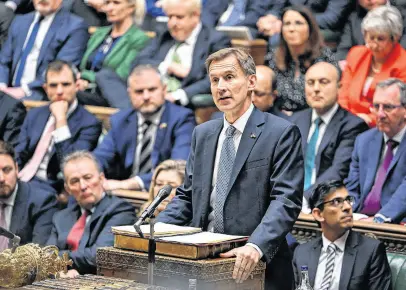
point(191, 40)
point(398, 137)
point(155, 118)
point(241, 122)
point(49, 17)
point(327, 116)
point(11, 199)
point(340, 242)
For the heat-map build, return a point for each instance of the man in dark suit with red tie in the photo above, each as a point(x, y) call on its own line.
point(86, 224)
point(377, 171)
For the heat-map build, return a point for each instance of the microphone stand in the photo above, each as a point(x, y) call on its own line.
point(151, 250)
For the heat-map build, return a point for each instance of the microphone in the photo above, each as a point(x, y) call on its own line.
point(14, 238)
point(149, 211)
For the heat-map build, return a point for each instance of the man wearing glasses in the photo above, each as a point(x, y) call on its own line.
point(378, 164)
point(340, 258)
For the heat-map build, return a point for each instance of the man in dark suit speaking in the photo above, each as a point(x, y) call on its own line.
point(244, 174)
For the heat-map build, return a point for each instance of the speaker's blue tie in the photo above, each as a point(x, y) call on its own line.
point(311, 154)
point(26, 51)
point(224, 170)
point(237, 14)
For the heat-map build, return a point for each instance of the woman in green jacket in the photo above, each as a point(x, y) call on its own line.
point(110, 51)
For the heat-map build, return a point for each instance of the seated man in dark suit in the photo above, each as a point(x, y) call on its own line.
point(328, 131)
point(181, 50)
point(330, 15)
point(141, 137)
point(25, 210)
point(36, 39)
point(52, 131)
point(86, 225)
point(340, 258)
point(12, 114)
point(377, 177)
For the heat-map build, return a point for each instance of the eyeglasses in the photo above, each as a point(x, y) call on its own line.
point(338, 201)
point(387, 108)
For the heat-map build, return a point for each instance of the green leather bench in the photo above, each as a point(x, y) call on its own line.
point(397, 264)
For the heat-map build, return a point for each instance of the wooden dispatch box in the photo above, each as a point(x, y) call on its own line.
point(174, 273)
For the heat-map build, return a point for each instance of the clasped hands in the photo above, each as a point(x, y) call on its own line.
point(247, 258)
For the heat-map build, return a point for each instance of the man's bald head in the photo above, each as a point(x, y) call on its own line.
point(321, 87)
point(264, 93)
point(327, 67)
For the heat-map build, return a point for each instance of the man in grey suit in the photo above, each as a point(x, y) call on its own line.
point(340, 259)
point(244, 175)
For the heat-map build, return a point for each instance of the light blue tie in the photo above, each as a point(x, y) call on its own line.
point(237, 14)
point(311, 154)
point(26, 51)
point(225, 168)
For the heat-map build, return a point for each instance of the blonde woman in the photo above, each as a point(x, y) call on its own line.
point(111, 49)
point(170, 172)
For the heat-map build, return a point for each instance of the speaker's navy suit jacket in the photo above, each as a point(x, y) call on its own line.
point(85, 130)
point(334, 153)
point(265, 190)
point(66, 40)
point(197, 81)
point(110, 211)
point(364, 165)
point(32, 214)
point(365, 265)
point(172, 141)
point(12, 114)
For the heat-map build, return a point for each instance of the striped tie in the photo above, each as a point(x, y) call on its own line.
point(3, 223)
point(145, 164)
point(328, 273)
point(225, 167)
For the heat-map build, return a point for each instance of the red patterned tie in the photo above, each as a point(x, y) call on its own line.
point(3, 240)
point(76, 232)
point(31, 168)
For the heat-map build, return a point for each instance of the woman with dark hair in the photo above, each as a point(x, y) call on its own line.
point(301, 46)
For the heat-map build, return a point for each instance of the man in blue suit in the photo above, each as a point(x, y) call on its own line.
point(52, 131)
point(86, 224)
point(27, 209)
point(140, 138)
point(244, 174)
point(377, 177)
point(327, 147)
point(35, 40)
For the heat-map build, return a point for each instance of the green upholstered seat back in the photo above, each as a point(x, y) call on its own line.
point(397, 264)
